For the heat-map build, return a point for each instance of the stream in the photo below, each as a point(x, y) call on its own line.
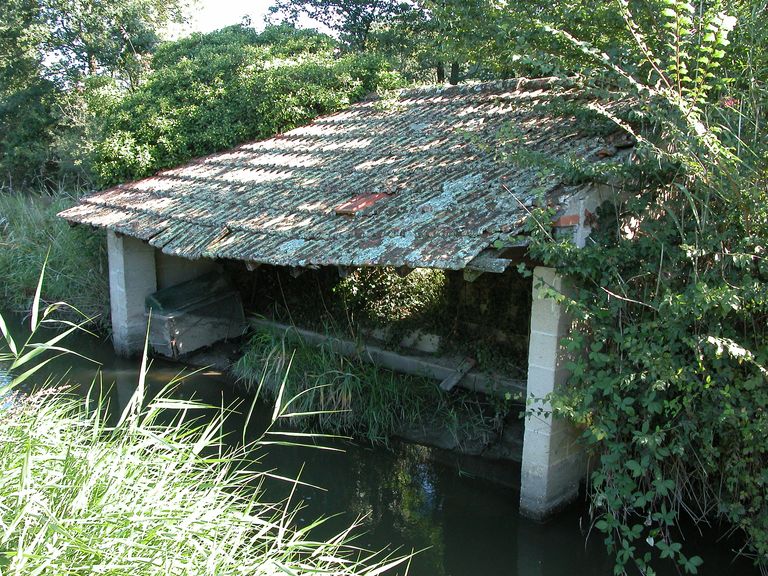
point(406, 496)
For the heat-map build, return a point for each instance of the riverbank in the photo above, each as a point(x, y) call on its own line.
point(410, 497)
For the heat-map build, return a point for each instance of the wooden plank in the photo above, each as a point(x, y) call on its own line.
point(449, 383)
point(488, 261)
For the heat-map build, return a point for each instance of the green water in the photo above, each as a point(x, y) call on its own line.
point(406, 497)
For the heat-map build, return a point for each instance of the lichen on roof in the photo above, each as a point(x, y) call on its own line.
point(447, 194)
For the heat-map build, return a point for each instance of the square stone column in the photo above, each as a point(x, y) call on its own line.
point(132, 277)
point(553, 462)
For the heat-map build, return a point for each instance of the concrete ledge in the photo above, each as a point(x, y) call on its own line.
point(428, 366)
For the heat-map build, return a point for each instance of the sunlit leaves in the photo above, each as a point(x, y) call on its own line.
point(209, 92)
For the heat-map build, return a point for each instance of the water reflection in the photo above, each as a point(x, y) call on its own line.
point(409, 497)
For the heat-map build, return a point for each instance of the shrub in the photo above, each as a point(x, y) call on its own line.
point(27, 123)
point(210, 92)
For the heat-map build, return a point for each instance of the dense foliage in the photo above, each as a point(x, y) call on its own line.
point(95, 122)
point(353, 20)
point(49, 51)
point(669, 350)
point(426, 40)
point(209, 92)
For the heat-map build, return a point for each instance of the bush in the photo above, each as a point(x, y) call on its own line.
point(27, 124)
point(210, 92)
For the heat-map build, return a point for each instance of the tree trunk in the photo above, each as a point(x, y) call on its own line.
point(93, 66)
point(454, 79)
point(440, 72)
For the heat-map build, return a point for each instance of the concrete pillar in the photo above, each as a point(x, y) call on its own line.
point(553, 463)
point(132, 278)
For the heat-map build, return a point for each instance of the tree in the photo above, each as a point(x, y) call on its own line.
point(27, 116)
point(353, 20)
point(208, 92)
point(88, 37)
point(49, 52)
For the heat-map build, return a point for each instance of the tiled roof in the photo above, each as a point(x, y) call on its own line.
point(440, 194)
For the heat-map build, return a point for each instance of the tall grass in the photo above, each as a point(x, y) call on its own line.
point(77, 270)
point(144, 498)
point(156, 493)
point(340, 395)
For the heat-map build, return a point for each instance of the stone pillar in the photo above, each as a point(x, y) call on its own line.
point(553, 463)
point(132, 278)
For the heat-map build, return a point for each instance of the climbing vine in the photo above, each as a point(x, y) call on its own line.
point(669, 346)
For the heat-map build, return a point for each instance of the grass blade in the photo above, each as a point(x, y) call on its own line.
point(7, 336)
point(38, 291)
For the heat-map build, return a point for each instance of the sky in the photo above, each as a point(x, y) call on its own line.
point(208, 15)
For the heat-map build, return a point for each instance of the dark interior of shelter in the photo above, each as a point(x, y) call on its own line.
point(487, 319)
point(474, 329)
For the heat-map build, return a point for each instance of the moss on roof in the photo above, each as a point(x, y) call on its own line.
point(444, 194)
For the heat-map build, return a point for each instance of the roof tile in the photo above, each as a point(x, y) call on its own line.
point(430, 159)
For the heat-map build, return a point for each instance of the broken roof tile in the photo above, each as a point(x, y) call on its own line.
point(359, 204)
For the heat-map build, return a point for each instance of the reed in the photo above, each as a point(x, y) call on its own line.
point(153, 492)
point(78, 496)
point(335, 394)
point(77, 270)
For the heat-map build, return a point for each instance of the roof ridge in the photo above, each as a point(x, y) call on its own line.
point(521, 84)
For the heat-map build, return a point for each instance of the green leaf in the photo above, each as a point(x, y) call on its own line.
point(36, 301)
point(7, 336)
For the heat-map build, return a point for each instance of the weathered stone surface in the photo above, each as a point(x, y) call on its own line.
point(553, 464)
